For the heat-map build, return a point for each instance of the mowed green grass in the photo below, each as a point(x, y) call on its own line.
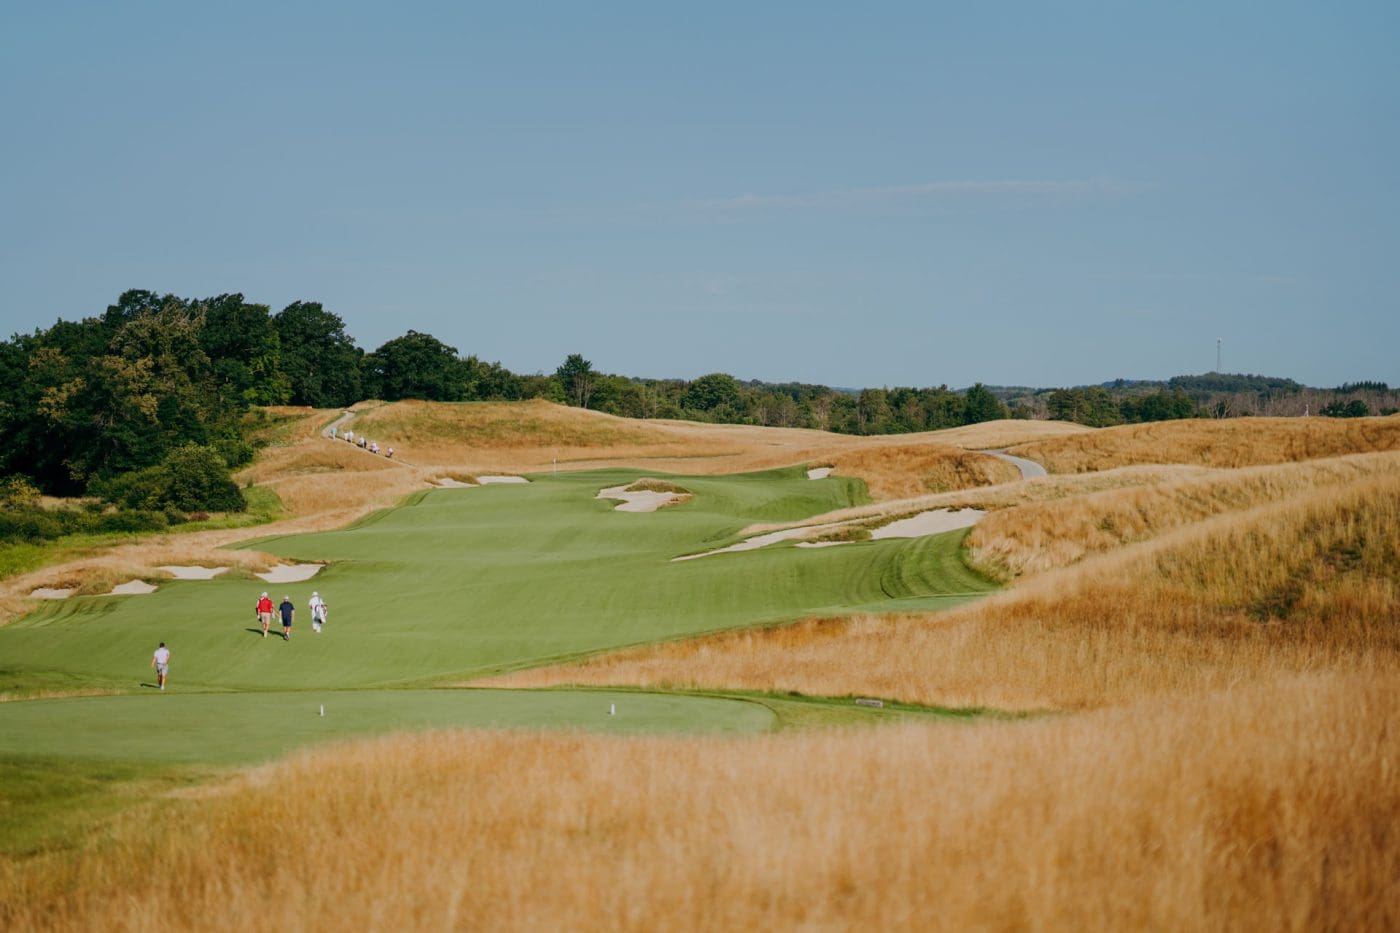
point(462, 582)
point(451, 585)
point(220, 729)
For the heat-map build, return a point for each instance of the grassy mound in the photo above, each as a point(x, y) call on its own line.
point(1236, 442)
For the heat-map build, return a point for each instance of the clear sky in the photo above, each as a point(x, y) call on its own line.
point(853, 194)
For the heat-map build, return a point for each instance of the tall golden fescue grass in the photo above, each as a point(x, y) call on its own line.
point(900, 471)
point(992, 435)
point(1234, 442)
point(1260, 808)
point(1043, 535)
point(1305, 585)
point(1003, 496)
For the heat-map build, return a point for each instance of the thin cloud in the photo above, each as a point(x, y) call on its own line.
point(857, 197)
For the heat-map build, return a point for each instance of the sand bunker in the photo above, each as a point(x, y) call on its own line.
point(48, 592)
point(638, 500)
point(133, 588)
point(487, 480)
point(773, 537)
point(192, 573)
point(819, 472)
point(291, 573)
point(929, 523)
point(933, 522)
point(447, 482)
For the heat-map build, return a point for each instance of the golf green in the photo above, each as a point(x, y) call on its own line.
point(239, 728)
point(461, 582)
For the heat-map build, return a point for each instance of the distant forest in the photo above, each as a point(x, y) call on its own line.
point(149, 403)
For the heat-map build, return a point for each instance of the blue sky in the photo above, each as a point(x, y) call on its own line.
point(877, 194)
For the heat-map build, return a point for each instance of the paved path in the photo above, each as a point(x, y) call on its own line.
point(340, 422)
point(337, 424)
point(1029, 468)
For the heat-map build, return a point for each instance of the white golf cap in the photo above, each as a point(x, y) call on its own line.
point(314, 593)
point(264, 592)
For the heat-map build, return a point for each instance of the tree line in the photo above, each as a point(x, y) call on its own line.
point(148, 404)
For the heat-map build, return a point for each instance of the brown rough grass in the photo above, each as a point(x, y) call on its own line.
point(1304, 585)
point(901, 471)
point(1234, 442)
point(1255, 808)
point(1040, 536)
point(1003, 496)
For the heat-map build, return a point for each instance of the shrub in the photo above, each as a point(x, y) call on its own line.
point(234, 451)
point(29, 523)
point(18, 491)
point(191, 478)
point(134, 520)
point(198, 478)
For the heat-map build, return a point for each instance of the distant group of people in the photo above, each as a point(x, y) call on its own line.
point(288, 612)
point(361, 442)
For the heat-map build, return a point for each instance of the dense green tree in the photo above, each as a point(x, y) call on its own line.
point(1092, 406)
point(417, 366)
point(321, 362)
point(981, 405)
point(709, 392)
point(576, 377)
point(1355, 408)
point(1159, 406)
point(245, 350)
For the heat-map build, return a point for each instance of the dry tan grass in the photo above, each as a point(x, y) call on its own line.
point(524, 437)
point(1044, 535)
point(901, 471)
point(1260, 808)
point(992, 435)
point(1305, 585)
point(1235, 442)
point(1004, 496)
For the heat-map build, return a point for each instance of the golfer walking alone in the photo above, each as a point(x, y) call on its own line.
point(289, 613)
point(161, 662)
point(264, 613)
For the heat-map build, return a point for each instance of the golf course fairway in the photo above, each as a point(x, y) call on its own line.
point(457, 583)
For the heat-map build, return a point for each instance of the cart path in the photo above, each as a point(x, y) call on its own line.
point(1029, 468)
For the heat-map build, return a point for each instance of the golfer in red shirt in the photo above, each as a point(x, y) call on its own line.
point(264, 613)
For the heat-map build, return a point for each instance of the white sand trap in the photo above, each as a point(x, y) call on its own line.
point(291, 573)
point(447, 482)
point(929, 523)
point(192, 573)
point(640, 500)
point(48, 592)
point(753, 544)
point(487, 480)
point(819, 472)
point(133, 588)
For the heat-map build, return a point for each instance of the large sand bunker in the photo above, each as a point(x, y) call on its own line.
point(192, 573)
point(133, 588)
point(291, 573)
point(772, 537)
point(929, 523)
point(637, 500)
